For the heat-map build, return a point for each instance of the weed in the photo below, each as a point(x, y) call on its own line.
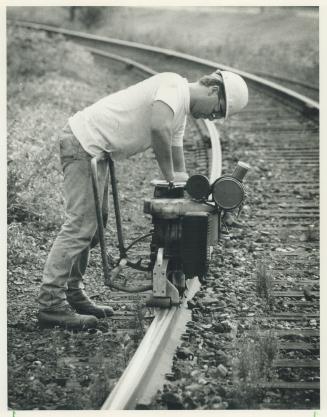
point(101, 381)
point(264, 283)
point(17, 211)
point(139, 320)
point(95, 384)
point(269, 346)
point(283, 235)
point(251, 367)
point(310, 234)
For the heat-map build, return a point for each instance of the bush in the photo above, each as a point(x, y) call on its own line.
point(17, 211)
point(33, 186)
point(252, 366)
point(91, 16)
point(45, 77)
point(33, 53)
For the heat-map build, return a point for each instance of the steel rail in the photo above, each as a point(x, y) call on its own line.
point(288, 80)
point(139, 380)
point(292, 98)
point(128, 61)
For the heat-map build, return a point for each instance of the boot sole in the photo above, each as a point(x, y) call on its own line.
point(100, 315)
point(47, 325)
point(67, 328)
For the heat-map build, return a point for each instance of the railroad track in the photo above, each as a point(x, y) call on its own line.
point(278, 134)
point(286, 219)
point(307, 89)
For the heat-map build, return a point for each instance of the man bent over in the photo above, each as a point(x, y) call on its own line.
point(155, 112)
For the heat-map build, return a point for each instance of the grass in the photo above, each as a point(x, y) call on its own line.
point(264, 284)
point(311, 234)
point(251, 367)
point(279, 40)
point(40, 85)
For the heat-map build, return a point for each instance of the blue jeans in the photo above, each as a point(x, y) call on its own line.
point(68, 258)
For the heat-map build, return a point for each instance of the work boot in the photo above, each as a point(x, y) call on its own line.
point(83, 305)
point(66, 318)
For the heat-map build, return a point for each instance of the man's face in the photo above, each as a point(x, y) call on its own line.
point(210, 104)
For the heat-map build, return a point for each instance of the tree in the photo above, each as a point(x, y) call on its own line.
point(89, 16)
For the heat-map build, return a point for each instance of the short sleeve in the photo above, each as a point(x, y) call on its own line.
point(169, 94)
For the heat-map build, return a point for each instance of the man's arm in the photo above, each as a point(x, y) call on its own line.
point(179, 163)
point(178, 158)
point(161, 131)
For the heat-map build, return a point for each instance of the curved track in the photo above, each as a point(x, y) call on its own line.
point(278, 134)
point(306, 89)
point(142, 52)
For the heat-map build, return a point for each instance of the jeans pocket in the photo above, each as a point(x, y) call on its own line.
point(81, 153)
point(67, 150)
point(68, 146)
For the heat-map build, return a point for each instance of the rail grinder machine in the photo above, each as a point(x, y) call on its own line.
point(187, 220)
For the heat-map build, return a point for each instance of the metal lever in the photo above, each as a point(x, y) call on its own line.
point(108, 274)
point(114, 187)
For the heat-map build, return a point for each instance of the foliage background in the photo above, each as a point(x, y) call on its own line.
point(278, 40)
point(41, 70)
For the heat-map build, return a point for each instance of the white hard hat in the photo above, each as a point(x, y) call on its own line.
point(236, 92)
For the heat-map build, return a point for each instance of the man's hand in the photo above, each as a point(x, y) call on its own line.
point(181, 176)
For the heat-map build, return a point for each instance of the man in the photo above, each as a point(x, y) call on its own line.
point(150, 113)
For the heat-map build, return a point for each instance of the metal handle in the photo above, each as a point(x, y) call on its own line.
point(105, 263)
point(240, 170)
point(114, 187)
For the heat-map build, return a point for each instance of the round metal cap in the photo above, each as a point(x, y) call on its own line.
point(228, 193)
point(198, 186)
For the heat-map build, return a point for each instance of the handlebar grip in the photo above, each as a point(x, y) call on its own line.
point(240, 170)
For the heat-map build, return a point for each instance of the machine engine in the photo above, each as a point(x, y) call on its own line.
point(186, 230)
point(186, 227)
point(187, 224)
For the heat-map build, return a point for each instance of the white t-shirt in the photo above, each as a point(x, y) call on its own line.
point(120, 122)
